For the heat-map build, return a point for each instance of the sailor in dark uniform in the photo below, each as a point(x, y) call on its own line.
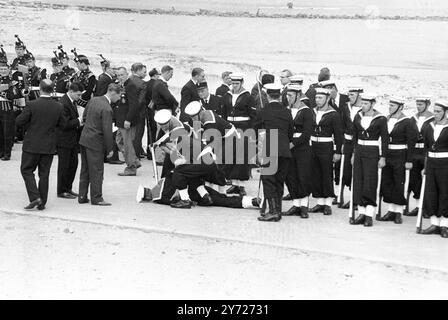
point(436, 170)
point(35, 75)
point(276, 121)
point(299, 178)
point(86, 78)
point(369, 126)
point(348, 112)
point(239, 109)
point(8, 92)
point(402, 138)
point(327, 133)
point(421, 121)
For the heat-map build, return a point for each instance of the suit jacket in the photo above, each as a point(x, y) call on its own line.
point(40, 118)
point(214, 104)
point(343, 100)
point(222, 90)
point(188, 94)
point(121, 108)
point(134, 88)
point(162, 97)
point(255, 93)
point(101, 85)
point(68, 135)
point(97, 132)
point(147, 95)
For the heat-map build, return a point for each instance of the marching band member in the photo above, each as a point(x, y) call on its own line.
point(436, 170)
point(327, 132)
point(421, 121)
point(402, 138)
point(85, 77)
point(299, 180)
point(369, 155)
point(35, 74)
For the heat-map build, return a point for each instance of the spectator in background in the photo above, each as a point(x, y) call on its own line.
point(284, 80)
point(104, 79)
point(161, 95)
point(151, 125)
point(324, 75)
point(189, 92)
point(225, 86)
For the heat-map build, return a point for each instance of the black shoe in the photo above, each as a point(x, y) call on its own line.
point(73, 193)
point(425, 214)
point(432, 230)
point(181, 204)
point(327, 211)
point(412, 213)
point(398, 219)
point(82, 200)
point(317, 208)
point(256, 202)
point(101, 203)
point(66, 195)
point(368, 222)
point(263, 208)
point(6, 158)
point(287, 197)
point(34, 204)
point(233, 190)
point(293, 211)
point(335, 201)
point(115, 162)
point(41, 207)
point(304, 212)
point(206, 201)
point(346, 206)
point(360, 219)
point(242, 192)
point(389, 216)
point(273, 215)
point(444, 232)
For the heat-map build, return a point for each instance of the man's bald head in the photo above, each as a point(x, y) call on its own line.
point(46, 86)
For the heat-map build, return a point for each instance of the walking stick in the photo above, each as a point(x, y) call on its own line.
point(351, 211)
point(420, 201)
point(406, 191)
point(154, 163)
point(378, 195)
point(340, 198)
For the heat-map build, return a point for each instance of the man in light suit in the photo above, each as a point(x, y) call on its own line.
point(96, 140)
point(189, 91)
point(40, 118)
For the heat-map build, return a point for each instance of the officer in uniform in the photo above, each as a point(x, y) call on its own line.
point(402, 138)
point(34, 76)
point(8, 92)
point(327, 133)
point(299, 176)
point(369, 154)
point(208, 100)
point(239, 109)
point(348, 113)
point(275, 117)
point(85, 77)
point(436, 187)
point(421, 121)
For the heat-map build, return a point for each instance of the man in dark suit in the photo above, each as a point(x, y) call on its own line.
point(161, 95)
point(151, 125)
point(67, 145)
point(189, 92)
point(104, 79)
point(40, 118)
point(209, 101)
point(324, 75)
point(96, 139)
point(226, 83)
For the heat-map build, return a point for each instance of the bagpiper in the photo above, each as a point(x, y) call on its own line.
point(34, 75)
point(436, 170)
point(107, 77)
point(402, 138)
point(65, 60)
point(299, 178)
point(85, 77)
point(326, 144)
point(59, 78)
point(369, 126)
point(20, 52)
point(421, 121)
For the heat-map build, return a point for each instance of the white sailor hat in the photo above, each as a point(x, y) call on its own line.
point(397, 100)
point(237, 76)
point(368, 96)
point(296, 79)
point(355, 89)
point(162, 116)
point(441, 103)
point(193, 108)
point(273, 88)
point(323, 91)
point(326, 83)
point(423, 98)
point(294, 87)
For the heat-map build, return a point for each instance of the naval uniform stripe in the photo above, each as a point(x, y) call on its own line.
point(238, 119)
point(321, 139)
point(438, 154)
point(348, 136)
point(397, 146)
point(372, 143)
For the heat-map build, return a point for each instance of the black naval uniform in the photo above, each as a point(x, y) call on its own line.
point(275, 116)
point(418, 157)
point(88, 81)
point(241, 114)
point(402, 138)
point(299, 178)
point(7, 119)
point(436, 188)
point(367, 151)
point(327, 133)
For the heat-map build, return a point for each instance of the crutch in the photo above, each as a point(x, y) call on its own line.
point(406, 191)
point(154, 163)
point(351, 211)
point(420, 205)
point(340, 197)
point(378, 195)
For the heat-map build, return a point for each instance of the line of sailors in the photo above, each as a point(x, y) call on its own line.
point(380, 154)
